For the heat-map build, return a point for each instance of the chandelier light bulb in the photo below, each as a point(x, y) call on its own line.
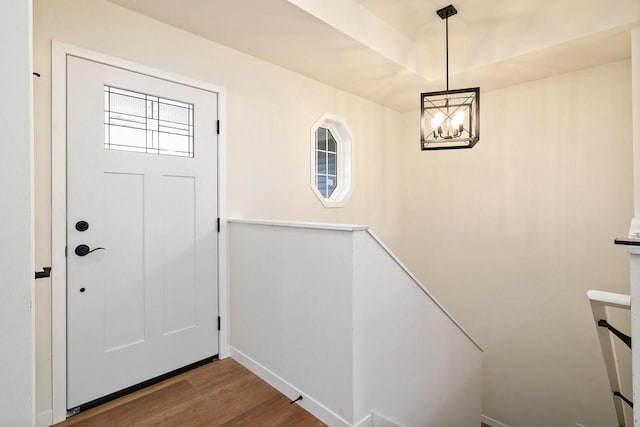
point(437, 120)
point(457, 123)
point(458, 118)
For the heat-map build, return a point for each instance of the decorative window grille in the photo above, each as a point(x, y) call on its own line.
point(145, 123)
point(326, 162)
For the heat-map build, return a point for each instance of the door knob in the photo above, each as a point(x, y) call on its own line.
point(83, 250)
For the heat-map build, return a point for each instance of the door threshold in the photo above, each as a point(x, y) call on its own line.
point(115, 395)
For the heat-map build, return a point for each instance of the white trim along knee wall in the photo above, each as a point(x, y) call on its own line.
point(491, 422)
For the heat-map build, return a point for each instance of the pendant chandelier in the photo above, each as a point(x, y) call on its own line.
point(449, 119)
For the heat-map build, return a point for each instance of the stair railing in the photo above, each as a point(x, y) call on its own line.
point(600, 300)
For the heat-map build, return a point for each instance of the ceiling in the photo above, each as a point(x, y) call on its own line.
point(391, 50)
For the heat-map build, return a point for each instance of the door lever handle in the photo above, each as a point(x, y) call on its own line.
point(83, 250)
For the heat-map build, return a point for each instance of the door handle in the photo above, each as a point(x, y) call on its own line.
point(83, 250)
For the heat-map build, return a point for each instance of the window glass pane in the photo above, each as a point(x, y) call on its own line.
point(331, 185)
point(321, 139)
point(173, 145)
point(332, 142)
point(321, 185)
point(321, 162)
point(145, 123)
point(331, 163)
point(326, 162)
point(127, 139)
point(127, 105)
point(174, 113)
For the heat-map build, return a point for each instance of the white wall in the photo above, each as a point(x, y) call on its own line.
point(635, 94)
point(635, 226)
point(269, 114)
point(412, 364)
point(291, 307)
point(16, 263)
point(510, 235)
point(335, 318)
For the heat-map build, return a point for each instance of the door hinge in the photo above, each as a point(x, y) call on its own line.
point(65, 251)
point(218, 127)
point(218, 225)
point(46, 272)
point(218, 322)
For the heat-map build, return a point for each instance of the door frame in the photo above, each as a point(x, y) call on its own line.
point(59, 53)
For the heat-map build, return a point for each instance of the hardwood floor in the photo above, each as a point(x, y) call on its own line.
point(222, 393)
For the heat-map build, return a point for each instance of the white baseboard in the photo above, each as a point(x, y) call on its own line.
point(365, 422)
point(380, 421)
point(492, 422)
point(44, 419)
point(316, 408)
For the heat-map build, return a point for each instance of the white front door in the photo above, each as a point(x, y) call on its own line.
point(142, 184)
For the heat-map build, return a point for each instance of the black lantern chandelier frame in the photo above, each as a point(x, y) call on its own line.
point(449, 119)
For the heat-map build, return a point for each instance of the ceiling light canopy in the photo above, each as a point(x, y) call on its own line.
point(449, 119)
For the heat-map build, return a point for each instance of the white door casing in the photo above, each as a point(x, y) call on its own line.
point(148, 303)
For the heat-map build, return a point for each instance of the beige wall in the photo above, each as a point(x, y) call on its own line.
point(269, 115)
point(511, 235)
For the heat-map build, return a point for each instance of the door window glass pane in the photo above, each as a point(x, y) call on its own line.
point(145, 123)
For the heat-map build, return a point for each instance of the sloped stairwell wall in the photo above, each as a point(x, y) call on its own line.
point(326, 312)
point(412, 363)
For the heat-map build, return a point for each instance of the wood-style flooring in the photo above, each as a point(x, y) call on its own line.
point(222, 393)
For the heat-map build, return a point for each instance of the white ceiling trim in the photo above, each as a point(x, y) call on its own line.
point(362, 25)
